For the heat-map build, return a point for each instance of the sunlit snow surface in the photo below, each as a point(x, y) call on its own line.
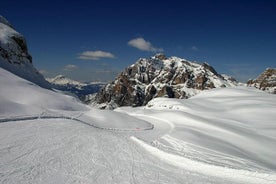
point(219, 136)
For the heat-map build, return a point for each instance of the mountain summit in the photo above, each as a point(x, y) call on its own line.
point(160, 76)
point(265, 81)
point(14, 55)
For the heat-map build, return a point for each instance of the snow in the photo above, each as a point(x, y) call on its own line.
point(21, 99)
point(181, 65)
point(211, 170)
point(225, 135)
point(62, 80)
point(243, 117)
point(29, 98)
point(5, 33)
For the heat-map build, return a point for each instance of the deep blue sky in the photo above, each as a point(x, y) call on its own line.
point(236, 37)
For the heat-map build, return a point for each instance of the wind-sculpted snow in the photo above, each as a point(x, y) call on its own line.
point(219, 136)
point(229, 130)
point(243, 176)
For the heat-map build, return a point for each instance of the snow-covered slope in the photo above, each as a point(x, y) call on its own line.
point(219, 136)
point(20, 98)
point(266, 81)
point(160, 76)
point(14, 55)
point(81, 90)
point(232, 128)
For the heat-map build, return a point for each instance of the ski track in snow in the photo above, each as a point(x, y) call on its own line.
point(61, 151)
point(77, 118)
point(48, 159)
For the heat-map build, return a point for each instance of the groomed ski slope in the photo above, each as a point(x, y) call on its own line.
point(219, 136)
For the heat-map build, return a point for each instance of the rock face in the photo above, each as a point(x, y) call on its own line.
point(266, 81)
point(14, 55)
point(160, 76)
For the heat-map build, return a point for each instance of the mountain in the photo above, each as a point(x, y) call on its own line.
point(14, 55)
point(160, 76)
point(62, 80)
point(266, 81)
point(81, 90)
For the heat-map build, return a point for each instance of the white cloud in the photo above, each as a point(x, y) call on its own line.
point(70, 67)
point(194, 48)
point(95, 55)
point(142, 44)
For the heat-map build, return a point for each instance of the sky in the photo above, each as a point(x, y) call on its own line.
point(95, 40)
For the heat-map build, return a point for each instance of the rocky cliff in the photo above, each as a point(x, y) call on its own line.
point(160, 76)
point(14, 55)
point(266, 81)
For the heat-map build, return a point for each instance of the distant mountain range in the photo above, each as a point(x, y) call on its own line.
point(80, 89)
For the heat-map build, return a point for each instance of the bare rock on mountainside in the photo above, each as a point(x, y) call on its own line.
point(14, 55)
point(160, 76)
point(266, 81)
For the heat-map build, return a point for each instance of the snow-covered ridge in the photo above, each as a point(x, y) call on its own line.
point(14, 54)
point(62, 80)
point(160, 76)
point(79, 89)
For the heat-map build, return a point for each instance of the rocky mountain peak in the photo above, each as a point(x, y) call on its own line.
point(159, 76)
point(160, 56)
point(266, 81)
